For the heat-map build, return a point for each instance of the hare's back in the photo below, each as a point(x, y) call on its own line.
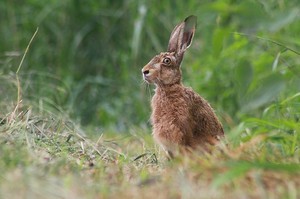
point(207, 123)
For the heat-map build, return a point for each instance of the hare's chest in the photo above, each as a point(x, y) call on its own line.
point(169, 110)
point(171, 121)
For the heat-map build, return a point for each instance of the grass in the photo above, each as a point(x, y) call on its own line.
point(46, 155)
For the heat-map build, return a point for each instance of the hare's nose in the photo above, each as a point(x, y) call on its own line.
point(145, 72)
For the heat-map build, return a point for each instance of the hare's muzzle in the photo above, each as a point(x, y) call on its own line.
point(146, 73)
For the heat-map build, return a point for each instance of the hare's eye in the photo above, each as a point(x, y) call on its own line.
point(167, 61)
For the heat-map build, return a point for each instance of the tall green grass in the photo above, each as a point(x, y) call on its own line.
point(91, 54)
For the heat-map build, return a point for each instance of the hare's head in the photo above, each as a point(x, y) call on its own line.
point(164, 69)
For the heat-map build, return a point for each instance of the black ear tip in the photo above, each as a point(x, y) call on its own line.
point(191, 18)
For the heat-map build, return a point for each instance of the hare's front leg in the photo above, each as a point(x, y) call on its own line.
point(171, 140)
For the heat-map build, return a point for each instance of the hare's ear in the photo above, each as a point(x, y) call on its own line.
point(182, 35)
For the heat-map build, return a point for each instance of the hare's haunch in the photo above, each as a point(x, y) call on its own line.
point(180, 117)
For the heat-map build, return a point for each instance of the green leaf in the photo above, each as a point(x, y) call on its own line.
point(269, 89)
point(275, 63)
point(283, 19)
point(243, 76)
point(236, 170)
point(239, 168)
point(218, 38)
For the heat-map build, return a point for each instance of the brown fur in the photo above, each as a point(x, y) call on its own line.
point(180, 117)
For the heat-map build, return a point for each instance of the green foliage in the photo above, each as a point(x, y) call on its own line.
point(87, 56)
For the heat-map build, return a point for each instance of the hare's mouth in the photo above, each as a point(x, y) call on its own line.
point(147, 79)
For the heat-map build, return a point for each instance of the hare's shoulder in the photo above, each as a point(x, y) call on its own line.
point(194, 97)
point(197, 104)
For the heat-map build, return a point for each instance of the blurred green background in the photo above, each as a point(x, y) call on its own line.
point(87, 56)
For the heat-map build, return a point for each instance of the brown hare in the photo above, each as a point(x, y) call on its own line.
point(181, 118)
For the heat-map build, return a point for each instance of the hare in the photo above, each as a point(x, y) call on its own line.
point(180, 117)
